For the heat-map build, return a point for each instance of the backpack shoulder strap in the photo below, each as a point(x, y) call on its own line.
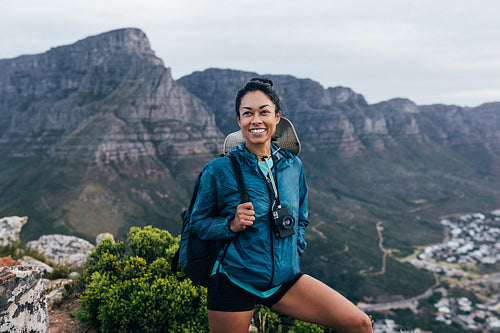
point(195, 192)
point(239, 178)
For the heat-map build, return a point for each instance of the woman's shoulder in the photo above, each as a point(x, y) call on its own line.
point(217, 165)
point(290, 158)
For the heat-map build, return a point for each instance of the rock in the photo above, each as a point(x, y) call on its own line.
point(23, 306)
point(50, 285)
point(36, 264)
point(55, 290)
point(10, 227)
point(62, 249)
point(8, 262)
point(100, 237)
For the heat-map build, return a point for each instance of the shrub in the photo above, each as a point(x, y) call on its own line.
point(303, 327)
point(131, 287)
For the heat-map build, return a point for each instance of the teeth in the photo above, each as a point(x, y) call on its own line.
point(257, 130)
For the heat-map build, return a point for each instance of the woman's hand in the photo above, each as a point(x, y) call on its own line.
point(245, 215)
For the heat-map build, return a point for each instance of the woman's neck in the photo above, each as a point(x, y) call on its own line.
point(260, 151)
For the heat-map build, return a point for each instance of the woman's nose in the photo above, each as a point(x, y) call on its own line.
point(256, 118)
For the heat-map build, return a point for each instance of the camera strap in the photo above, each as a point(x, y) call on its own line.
point(273, 183)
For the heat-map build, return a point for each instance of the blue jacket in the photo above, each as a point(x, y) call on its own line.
point(254, 256)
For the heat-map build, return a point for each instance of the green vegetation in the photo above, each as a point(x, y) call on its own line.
point(18, 250)
point(131, 287)
point(269, 321)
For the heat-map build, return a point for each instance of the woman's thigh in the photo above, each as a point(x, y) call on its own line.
point(229, 322)
point(313, 301)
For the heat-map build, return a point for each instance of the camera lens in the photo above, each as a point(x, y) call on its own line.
point(287, 222)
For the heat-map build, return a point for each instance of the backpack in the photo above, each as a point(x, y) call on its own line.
point(197, 256)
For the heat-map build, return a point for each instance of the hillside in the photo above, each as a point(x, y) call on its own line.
point(97, 137)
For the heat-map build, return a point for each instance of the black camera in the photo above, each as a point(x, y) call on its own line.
point(283, 222)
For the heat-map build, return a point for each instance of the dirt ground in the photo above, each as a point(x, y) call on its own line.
point(60, 320)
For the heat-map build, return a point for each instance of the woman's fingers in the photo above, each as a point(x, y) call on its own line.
point(245, 215)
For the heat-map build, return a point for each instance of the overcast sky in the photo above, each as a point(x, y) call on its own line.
point(430, 51)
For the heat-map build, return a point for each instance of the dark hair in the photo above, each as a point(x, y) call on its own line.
point(261, 84)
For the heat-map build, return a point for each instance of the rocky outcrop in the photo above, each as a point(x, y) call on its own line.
point(23, 307)
point(105, 98)
point(62, 249)
point(28, 261)
point(10, 227)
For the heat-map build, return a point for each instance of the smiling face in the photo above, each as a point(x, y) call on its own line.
point(258, 119)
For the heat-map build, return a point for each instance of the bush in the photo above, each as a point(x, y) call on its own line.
point(131, 287)
point(267, 321)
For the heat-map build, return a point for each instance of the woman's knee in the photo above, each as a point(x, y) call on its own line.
point(363, 323)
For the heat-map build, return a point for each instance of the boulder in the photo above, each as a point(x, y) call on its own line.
point(36, 264)
point(100, 237)
point(10, 227)
point(62, 249)
point(23, 307)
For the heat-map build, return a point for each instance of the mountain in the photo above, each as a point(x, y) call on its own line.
point(97, 137)
point(94, 136)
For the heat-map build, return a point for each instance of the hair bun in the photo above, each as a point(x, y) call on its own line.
point(262, 80)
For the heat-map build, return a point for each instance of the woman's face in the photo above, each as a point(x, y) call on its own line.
point(258, 120)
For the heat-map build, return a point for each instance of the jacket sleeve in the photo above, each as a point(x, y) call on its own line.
point(303, 215)
point(206, 221)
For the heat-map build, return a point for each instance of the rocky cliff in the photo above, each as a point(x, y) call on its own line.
point(341, 121)
point(101, 99)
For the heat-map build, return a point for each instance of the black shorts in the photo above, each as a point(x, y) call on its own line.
point(223, 295)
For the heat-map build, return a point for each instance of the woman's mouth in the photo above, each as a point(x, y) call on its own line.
point(257, 130)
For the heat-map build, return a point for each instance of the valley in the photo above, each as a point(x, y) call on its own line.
point(467, 272)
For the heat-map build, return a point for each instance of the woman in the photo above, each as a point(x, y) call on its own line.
point(261, 263)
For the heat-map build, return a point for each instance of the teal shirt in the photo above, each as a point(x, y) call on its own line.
point(251, 289)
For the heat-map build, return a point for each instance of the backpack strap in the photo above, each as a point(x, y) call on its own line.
point(193, 200)
point(239, 178)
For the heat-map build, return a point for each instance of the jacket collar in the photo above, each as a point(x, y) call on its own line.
point(278, 153)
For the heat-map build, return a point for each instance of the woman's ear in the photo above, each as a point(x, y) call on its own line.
point(278, 117)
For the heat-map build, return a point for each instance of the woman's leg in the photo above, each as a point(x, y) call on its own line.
point(312, 301)
point(229, 322)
